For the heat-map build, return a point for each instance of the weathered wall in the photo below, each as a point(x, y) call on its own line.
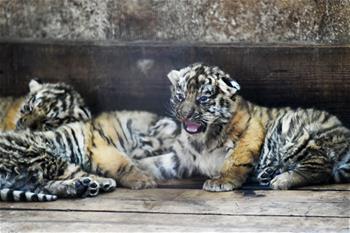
point(219, 21)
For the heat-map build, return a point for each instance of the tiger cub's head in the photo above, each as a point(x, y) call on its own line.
point(202, 96)
point(49, 105)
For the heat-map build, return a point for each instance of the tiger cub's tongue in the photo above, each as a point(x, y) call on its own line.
point(192, 127)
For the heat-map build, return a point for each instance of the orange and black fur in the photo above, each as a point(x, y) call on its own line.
point(73, 159)
point(228, 138)
point(45, 107)
point(53, 161)
point(9, 109)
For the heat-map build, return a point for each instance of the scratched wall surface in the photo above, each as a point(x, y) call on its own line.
point(219, 21)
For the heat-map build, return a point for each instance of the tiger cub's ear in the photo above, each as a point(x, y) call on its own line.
point(82, 112)
point(34, 85)
point(174, 77)
point(228, 85)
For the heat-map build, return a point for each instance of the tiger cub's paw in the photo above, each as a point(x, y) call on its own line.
point(221, 185)
point(140, 180)
point(87, 187)
point(91, 186)
point(107, 184)
point(281, 182)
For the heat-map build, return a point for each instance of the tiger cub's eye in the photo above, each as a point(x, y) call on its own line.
point(203, 99)
point(180, 97)
point(25, 109)
point(40, 104)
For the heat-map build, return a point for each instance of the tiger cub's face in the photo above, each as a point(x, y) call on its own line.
point(48, 106)
point(202, 96)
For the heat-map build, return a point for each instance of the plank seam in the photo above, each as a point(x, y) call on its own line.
point(169, 213)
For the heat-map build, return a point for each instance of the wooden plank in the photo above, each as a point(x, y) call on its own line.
point(197, 183)
point(57, 221)
point(133, 75)
point(331, 187)
point(193, 183)
point(245, 203)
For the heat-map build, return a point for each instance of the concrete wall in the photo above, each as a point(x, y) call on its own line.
point(213, 21)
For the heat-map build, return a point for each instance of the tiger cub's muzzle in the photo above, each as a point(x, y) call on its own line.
point(192, 123)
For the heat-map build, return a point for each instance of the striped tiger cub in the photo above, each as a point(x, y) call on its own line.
point(72, 160)
point(46, 106)
point(228, 138)
point(41, 166)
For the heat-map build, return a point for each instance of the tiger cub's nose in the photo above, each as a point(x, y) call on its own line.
point(187, 115)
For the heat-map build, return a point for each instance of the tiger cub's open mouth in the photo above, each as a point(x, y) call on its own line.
point(193, 127)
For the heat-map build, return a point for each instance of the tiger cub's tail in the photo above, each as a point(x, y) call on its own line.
point(21, 196)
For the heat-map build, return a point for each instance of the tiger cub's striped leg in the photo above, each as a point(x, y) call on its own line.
point(132, 177)
point(240, 162)
point(165, 166)
point(316, 169)
point(297, 178)
point(110, 162)
point(77, 187)
point(160, 137)
point(77, 183)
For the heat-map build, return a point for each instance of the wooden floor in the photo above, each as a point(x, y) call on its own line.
point(169, 208)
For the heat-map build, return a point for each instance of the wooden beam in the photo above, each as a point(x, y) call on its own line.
point(58, 221)
point(197, 183)
point(297, 203)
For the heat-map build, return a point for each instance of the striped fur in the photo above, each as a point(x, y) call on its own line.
point(50, 105)
point(58, 162)
point(46, 106)
point(30, 165)
point(14, 195)
point(9, 111)
point(303, 147)
point(227, 138)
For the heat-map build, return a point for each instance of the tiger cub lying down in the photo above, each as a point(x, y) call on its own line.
point(226, 138)
point(74, 159)
point(46, 106)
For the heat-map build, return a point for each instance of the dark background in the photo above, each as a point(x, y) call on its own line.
point(115, 76)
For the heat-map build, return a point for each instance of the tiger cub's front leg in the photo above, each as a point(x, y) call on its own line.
point(240, 162)
point(109, 161)
point(106, 155)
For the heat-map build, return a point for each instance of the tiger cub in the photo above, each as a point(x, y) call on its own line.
point(45, 107)
point(72, 160)
point(226, 137)
point(41, 166)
